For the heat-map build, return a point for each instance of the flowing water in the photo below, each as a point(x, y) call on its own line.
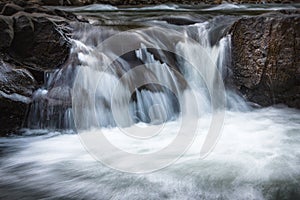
point(154, 68)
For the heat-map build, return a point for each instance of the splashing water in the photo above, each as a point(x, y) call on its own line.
point(256, 157)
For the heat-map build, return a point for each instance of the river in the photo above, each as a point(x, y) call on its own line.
point(254, 154)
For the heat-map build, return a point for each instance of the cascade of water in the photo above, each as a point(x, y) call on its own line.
point(98, 79)
point(111, 90)
point(204, 63)
point(51, 106)
point(39, 166)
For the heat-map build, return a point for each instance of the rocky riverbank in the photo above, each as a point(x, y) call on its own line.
point(32, 41)
point(265, 57)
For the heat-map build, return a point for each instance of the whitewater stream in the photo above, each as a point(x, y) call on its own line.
point(161, 69)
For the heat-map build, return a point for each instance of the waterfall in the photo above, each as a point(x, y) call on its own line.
point(145, 75)
point(146, 100)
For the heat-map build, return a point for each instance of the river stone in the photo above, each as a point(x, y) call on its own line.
point(266, 62)
point(6, 33)
point(10, 9)
point(37, 42)
point(16, 88)
point(32, 42)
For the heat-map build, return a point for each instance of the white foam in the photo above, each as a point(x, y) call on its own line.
point(257, 157)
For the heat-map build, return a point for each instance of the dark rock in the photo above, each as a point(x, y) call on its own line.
point(38, 9)
point(179, 21)
point(35, 38)
point(66, 15)
point(16, 88)
point(6, 33)
point(2, 4)
point(37, 42)
point(10, 9)
point(67, 2)
point(52, 2)
point(60, 95)
point(21, 3)
point(266, 62)
point(32, 42)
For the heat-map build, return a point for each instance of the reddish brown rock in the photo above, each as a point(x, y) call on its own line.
point(266, 61)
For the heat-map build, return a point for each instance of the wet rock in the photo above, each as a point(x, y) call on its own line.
point(266, 62)
point(35, 36)
point(37, 42)
point(66, 2)
point(16, 88)
point(6, 33)
point(32, 42)
point(21, 3)
point(52, 2)
point(60, 95)
point(10, 9)
point(51, 105)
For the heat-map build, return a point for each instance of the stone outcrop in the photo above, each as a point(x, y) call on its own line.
point(34, 36)
point(6, 33)
point(32, 41)
point(266, 61)
point(16, 88)
point(37, 42)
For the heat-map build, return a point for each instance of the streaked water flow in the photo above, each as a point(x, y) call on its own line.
point(102, 87)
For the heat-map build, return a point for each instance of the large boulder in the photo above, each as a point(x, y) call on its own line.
point(266, 61)
point(32, 42)
point(6, 33)
point(16, 88)
point(10, 9)
point(38, 42)
point(35, 36)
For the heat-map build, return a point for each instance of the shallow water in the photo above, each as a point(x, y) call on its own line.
point(132, 17)
point(256, 157)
